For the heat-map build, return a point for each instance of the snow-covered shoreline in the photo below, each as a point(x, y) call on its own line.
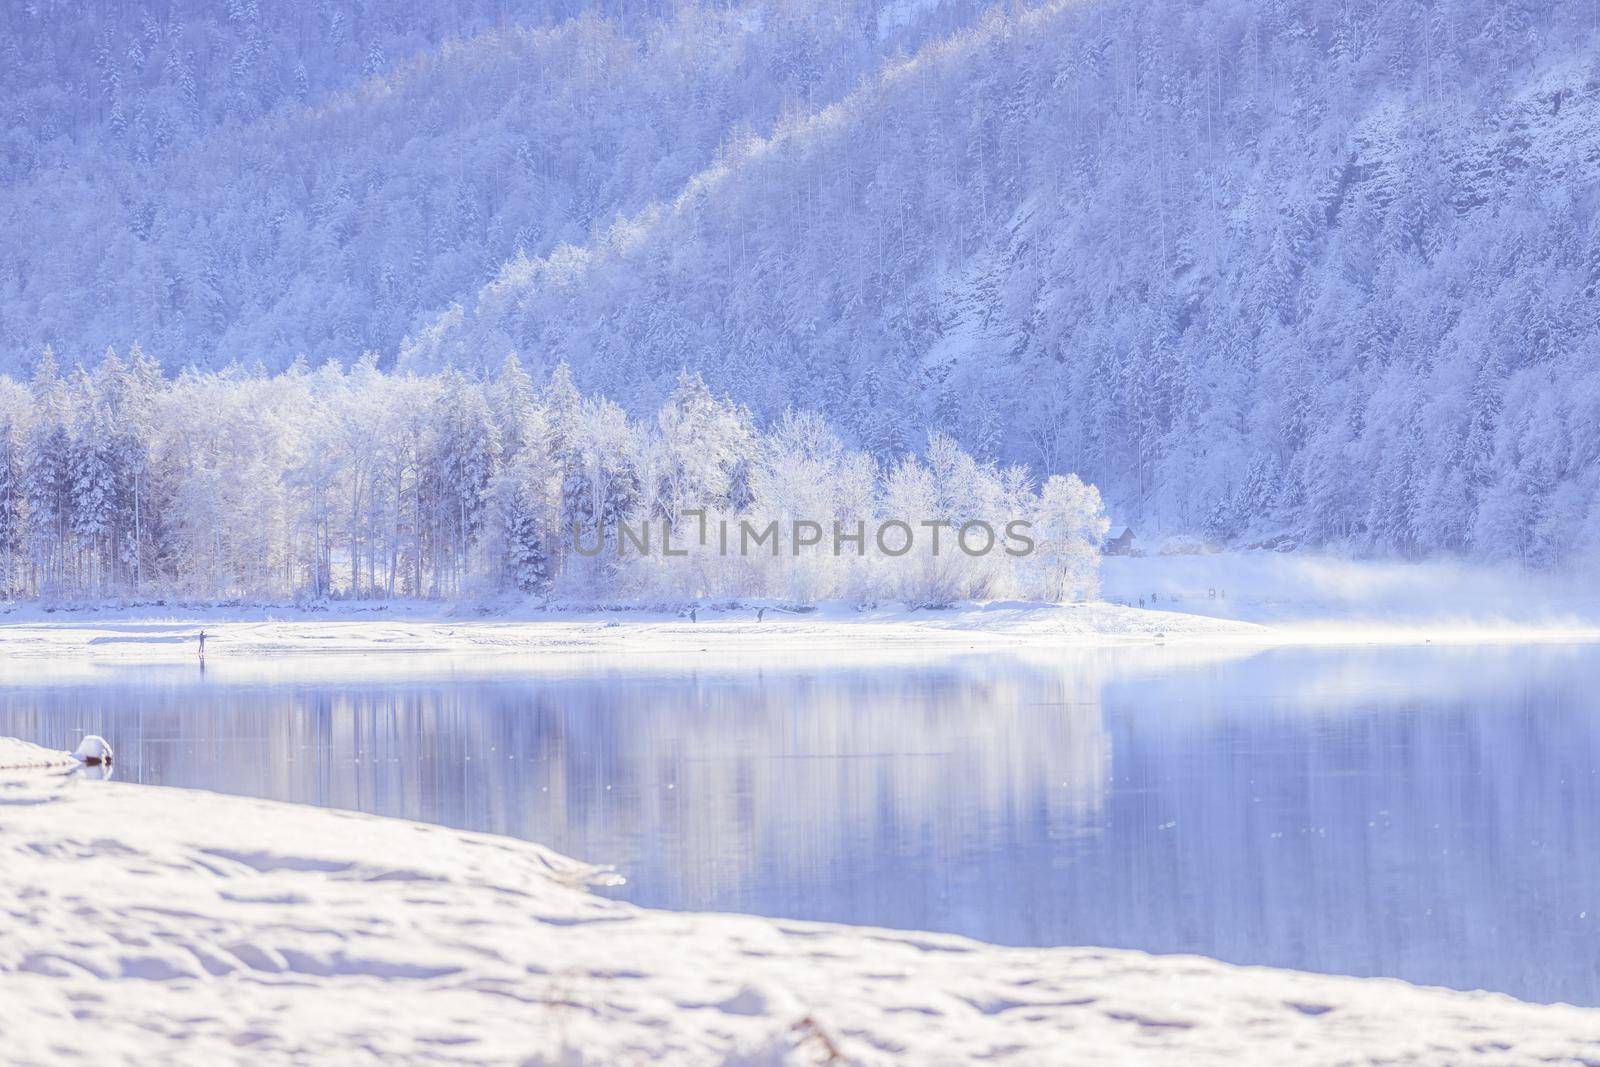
point(1243, 599)
point(146, 925)
point(148, 634)
point(164, 635)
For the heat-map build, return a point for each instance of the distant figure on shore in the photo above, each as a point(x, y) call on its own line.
point(694, 614)
point(202, 646)
point(761, 613)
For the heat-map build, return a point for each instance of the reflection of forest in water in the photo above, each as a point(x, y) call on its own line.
point(1421, 812)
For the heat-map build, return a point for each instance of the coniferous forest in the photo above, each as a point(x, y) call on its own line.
point(1323, 272)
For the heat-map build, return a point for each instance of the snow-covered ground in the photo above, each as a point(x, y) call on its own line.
point(1249, 598)
point(146, 925)
point(155, 634)
point(18, 755)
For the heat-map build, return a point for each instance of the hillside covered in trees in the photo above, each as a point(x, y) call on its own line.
point(256, 180)
point(1326, 270)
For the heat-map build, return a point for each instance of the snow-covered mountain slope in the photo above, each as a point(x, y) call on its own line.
point(1321, 269)
point(222, 929)
point(287, 178)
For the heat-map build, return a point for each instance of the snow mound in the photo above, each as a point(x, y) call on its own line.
point(191, 928)
point(93, 750)
point(24, 755)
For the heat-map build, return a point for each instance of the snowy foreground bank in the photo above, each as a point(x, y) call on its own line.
point(147, 925)
point(18, 755)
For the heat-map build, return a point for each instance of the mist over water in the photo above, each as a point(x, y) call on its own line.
point(1425, 813)
point(1308, 589)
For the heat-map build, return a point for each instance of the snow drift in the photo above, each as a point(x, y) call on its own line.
point(156, 925)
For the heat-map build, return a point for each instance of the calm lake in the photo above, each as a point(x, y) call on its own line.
point(1429, 813)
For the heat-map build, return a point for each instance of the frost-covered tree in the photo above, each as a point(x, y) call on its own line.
point(361, 483)
point(1068, 527)
point(13, 534)
point(701, 444)
point(527, 505)
point(93, 495)
point(463, 452)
